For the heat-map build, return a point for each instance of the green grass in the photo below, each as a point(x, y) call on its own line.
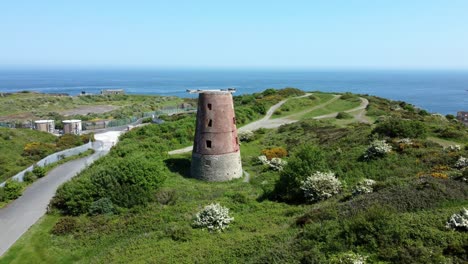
point(336, 106)
point(12, 142)
point(296, 105)
point(147, 234)
point(20, 106)
point(403, 221)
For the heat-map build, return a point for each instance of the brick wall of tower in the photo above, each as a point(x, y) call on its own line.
point(216, 131)
point(216, 153)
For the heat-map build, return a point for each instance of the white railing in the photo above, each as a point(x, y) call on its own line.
point(51, 159)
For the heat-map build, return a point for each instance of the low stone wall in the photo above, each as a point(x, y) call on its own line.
point(51, 159)
point(216, 167)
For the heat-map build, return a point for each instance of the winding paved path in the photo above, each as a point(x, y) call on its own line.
point(17, 217)
point(267, 122)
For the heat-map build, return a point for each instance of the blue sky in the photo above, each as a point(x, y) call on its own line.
point(429, 34)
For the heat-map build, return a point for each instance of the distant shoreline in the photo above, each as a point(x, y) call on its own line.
point(442, 91)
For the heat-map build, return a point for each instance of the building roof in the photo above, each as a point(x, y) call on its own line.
point(43, 121)
point(71, 121)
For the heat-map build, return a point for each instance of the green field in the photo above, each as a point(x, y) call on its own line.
point(402, 221)
point(296, 105)
point(29, 105)
point(336, 106)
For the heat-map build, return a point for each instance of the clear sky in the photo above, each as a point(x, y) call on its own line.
point(397, 34)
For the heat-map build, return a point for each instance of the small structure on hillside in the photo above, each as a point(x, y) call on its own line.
point(463, 117)
point(72, 126)
point(216, 152)
point(112, 91)
point(45, 125)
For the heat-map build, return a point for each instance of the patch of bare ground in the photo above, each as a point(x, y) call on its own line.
point(84, 110)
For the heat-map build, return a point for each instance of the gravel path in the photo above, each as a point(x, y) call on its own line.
point(17, 217)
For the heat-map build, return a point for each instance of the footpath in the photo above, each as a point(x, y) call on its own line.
point(17, 217)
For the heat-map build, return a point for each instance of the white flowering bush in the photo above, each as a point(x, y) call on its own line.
point(246, 136)
point(406, 141)
point(378, 148)
point(454, 148)
point(320, 186)
point(458, 221)
point(274, 163)
point(365, 186)
point(349, 258)
point(461, 163)
point(214, 217)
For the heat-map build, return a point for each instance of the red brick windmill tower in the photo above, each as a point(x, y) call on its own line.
point(216, 153)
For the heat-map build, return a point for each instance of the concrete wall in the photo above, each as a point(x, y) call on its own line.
point(216, 167)
point(72, 128)
point(53, 158)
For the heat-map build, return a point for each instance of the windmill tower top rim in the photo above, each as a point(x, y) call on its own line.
point(214, 91)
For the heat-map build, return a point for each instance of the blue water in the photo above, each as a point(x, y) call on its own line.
point(436, 91)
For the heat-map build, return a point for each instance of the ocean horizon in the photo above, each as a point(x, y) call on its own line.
point(437, 91)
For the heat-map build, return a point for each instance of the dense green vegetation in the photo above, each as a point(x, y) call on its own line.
point(25, 147)
point(14, 189)
point(98, 217)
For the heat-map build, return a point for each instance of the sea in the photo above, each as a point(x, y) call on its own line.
point(443, 92)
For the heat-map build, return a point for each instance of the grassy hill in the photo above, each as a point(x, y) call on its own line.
point(112, 215)
point(12, 143)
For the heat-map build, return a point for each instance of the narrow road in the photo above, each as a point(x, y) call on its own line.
point(17, 217)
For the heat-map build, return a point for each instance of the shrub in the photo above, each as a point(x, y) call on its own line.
point(320, 186)
point(304, 162)
point(127, 182)
point(453, 148)
point(365, 186)
point(38, 150)
point(179, 233)
point(64, 226)
point(12, 189)
point(343, 115)
point(101, 206)
point(289, 91)
point(246, 136)
point(450, 117)
point(377, 149)
point(69, 141)
point(277, 152)
point(461, 163)
point(2, 194)
point(394, 127)
point(38, 171)
point(451, 133)
point(29, 177)
point(348, 258)
point(166, 197)
point(275, 163)
point(459, 221)
point(214, 217)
